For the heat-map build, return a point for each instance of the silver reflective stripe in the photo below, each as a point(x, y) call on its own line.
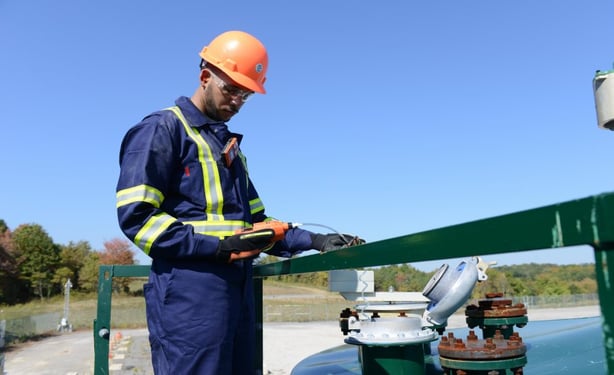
point(140, 193)
point(157, 224)
point(219, 229)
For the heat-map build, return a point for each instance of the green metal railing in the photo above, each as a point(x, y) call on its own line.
point(587, 221)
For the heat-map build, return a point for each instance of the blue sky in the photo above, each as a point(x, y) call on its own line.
point(381, 118)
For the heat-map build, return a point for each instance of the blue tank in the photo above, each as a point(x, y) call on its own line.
point(566, 346)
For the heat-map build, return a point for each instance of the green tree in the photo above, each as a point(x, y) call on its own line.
point(37, 258)
point(72, 259)
point(60, 277)
point(385, 278)
point(548, 285)
point(584, 286)
point(403, 278)
point(88, 274)
point(497, 282)
point(518, 286)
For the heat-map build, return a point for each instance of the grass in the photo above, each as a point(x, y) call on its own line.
point(282, 302)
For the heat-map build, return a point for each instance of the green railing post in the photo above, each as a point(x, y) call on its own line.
point(604, 258)
point(102, 323)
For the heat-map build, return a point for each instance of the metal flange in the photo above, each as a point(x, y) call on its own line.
point(495, 307)
point(492, 348)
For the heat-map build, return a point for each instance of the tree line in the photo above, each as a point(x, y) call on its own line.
point(33, 266)
point(530, 279)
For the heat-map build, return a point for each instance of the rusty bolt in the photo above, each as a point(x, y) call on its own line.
point(516, 337)
point(444, 341)
point(472, 336)
point(489, 344)
point(459, 344)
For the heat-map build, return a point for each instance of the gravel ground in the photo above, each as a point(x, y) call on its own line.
point(285, 345)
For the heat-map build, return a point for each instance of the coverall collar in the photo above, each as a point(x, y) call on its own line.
point(199, 120)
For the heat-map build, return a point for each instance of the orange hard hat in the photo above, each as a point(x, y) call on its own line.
point(241, 56)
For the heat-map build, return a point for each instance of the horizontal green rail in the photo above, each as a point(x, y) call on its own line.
point(587, 221)
point(579, 222)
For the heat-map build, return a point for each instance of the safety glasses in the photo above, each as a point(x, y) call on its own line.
point(231, 91)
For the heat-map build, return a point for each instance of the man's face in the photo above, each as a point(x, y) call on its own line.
point(223, 99)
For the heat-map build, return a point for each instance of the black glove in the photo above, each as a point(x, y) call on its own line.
point(333, 241)
point(243, 242)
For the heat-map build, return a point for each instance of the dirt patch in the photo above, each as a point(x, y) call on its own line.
point(24, 342)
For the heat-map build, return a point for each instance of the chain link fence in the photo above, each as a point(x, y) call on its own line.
point(558, 301)
point(317, 310)
point(322, 310)
point(293, 310)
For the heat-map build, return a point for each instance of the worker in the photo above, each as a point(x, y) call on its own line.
point(183, 194)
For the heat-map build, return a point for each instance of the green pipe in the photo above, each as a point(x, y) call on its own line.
point(604, 257)
point(394, 359)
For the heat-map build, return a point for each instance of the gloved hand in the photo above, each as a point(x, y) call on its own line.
point(243, 245)
point(333, 241)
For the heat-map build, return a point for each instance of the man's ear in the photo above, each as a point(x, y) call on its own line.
point(205, 77)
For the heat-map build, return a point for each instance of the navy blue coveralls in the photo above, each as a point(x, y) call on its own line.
point(176, 198)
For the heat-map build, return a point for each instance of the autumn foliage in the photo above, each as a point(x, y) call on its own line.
point(33, 266)
point(117, 251)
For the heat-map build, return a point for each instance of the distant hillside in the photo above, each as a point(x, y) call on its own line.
point(278, 289)
point(530, 279)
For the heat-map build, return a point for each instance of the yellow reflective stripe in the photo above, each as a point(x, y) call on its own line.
point(256, 205)
point(219, 229)
point(140, 193)
point(157, 224)
point(244, 161)
point(211, 175)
